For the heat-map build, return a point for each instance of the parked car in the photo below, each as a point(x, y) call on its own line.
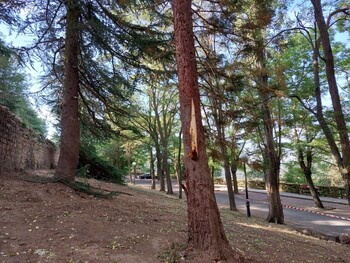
point(146, 176)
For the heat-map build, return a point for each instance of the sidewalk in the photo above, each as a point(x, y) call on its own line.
point(219, 187)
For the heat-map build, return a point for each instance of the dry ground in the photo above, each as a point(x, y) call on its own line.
point(54, 223)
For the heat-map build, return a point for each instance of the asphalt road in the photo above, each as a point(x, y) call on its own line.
point(299, 210)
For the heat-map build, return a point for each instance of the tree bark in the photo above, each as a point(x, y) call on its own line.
point(307, 172)
point(231, 194)
point(275, 214)
point(151, 170)
point(334, 93)
point(218, 117)
point(234, 168)
point(272, 159)
point(166, 167)
point(160, 171)
point(70, 130)
point(178, 165)
point(205, 229)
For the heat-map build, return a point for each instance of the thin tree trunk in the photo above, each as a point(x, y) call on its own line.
point(160, 172)
point(153, 176)
point(223, 148)
point(129, 168)
point(231, 194)
point(334, 93)
point(205, 229)
point(70, 130)
point(166, 167)
point(234, 176)
point(307, 172)
point(178, 165)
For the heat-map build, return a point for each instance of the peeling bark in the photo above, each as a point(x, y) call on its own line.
point(205, 229)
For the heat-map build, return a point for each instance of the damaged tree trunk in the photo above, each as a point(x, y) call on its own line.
point(205, 229)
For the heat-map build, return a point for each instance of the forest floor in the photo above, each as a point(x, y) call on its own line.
point(52, 222)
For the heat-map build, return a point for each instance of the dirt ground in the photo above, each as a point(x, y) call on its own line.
point(53, 223)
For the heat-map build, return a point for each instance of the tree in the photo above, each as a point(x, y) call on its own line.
point(70, 131)
point(105, 60)
point(205, 229)
point(332, 122)
point(14, 94)
point(9, 11)
point(344, 161)
point(253, 31)
point(165, 107)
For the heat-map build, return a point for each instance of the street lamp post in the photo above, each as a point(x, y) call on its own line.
point(134, 165)
point(245, 160)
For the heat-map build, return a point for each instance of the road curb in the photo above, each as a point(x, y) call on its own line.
point(309, 231)
point(317, 212)
point(286, 194)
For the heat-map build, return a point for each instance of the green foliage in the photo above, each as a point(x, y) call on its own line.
point(293, 173)
point(321, 173)
point(95, 166)
point(116, 44)
point(13, 91)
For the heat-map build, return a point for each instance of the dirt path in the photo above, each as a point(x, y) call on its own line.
point(54, 223)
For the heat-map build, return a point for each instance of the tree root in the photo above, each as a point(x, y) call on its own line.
point(81, 187)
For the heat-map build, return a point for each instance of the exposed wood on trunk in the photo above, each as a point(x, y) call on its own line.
point(205, 229)
point(193, 133)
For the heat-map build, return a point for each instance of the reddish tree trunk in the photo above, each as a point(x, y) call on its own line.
point(70, 134)
point(205, 229)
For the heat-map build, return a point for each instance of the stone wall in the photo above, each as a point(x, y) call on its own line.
point(22, 148)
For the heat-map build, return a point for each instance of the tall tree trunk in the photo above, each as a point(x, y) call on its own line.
point(205, 229)
point(160, 172)
point(178, 165)
point(334, 93)
point(151, 170)
point(218, 117)
point(234, 168)
point(231, 194)
point(70, 131)
point(272, 175)
point(166, 169)
point(221, 136)
point(273, 161)
point(307, 172)
point(129, 168)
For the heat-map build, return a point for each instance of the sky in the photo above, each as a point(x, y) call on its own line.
point(32, 76)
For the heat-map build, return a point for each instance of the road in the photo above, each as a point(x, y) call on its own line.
point(299, 210)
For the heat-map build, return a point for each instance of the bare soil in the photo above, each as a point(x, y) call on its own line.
point(52, 222)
